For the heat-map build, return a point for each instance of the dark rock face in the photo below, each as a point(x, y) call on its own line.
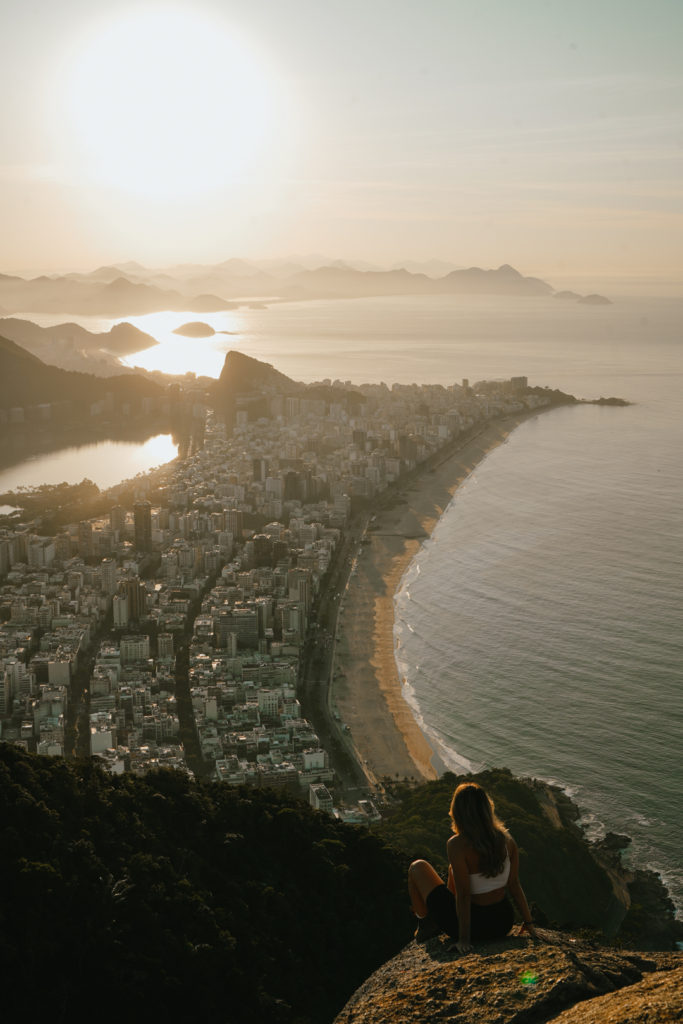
point(243, 374)
point(519, 981)
point(246, 384)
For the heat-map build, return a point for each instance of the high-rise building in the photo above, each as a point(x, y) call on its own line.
point(165, 646)
point(234, 522)
point(142, 516)
point(120, 609)
point(137, 598)
point(243, 622)
point(300, 586)
point(63, 546)
point(4, 558)
point(134, 648)
point(108, 575)
point(263, 550)
point(117, 519)
point(85, 544)
point(259, 469)
point(135, 595)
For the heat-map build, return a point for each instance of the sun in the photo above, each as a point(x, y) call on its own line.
point(167, 102)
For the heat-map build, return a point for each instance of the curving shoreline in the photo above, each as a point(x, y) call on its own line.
point(367, 691)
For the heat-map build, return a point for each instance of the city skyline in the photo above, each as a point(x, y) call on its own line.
point(541, 136)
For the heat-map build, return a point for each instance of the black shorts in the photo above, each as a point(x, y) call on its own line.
point(492, 921)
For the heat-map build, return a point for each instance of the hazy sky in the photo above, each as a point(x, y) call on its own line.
point(543, 134)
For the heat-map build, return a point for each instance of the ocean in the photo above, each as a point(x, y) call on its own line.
point(540, 627)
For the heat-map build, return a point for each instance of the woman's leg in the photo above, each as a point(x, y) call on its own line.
point(422, 879)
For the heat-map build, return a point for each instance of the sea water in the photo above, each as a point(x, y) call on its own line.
point(540, 627)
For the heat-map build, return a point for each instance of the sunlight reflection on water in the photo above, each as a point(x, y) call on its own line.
point(105, 463)
point(177, 354)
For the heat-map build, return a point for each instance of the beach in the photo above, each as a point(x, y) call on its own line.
point(367, 691)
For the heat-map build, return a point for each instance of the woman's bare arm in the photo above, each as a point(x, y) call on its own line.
point(514, 887)
point(458, 871)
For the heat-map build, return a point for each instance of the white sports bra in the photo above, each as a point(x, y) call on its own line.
point(480, 883)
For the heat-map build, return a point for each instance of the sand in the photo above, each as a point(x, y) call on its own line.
point(367, 691)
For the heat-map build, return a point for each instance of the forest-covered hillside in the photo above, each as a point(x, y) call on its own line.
point(153, 892)
point(571, 884)
point(148, 893)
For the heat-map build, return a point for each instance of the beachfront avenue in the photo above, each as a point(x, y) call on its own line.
point(200, 623)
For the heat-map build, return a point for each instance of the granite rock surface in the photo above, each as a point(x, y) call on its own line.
point(520, 981)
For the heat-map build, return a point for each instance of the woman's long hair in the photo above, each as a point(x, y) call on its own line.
point(474, 817)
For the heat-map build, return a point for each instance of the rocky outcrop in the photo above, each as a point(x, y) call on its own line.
point(520, 981)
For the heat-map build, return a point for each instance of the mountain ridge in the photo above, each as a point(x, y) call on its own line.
point(74, 348)
point(130, 289)
point(25, 379)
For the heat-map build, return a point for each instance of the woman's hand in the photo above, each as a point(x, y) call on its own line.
point(463, 946)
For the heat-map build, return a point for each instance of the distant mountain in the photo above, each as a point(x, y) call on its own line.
point(103, 275)
point(503, 281)
point(335, 282)
point(129, 289)
point(236, 268)
point(586, 300)
point(331, 282)
point(117, 297)
point(122, 295)
point(124, 339)
point(241, 286)
point(130, 265)
point(433, 268)
point(26, 380)
point(71, 347)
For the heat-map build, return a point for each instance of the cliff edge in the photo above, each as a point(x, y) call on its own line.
point(520, 981)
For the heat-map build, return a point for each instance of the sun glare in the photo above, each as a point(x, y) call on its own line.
point(166, 102)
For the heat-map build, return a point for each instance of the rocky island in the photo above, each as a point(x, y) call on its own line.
point(195, 329)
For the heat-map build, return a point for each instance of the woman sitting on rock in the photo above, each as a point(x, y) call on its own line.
point(483, 865)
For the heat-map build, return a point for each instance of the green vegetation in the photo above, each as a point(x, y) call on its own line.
point(247, 904)
point(561, 879)
point(161, 891)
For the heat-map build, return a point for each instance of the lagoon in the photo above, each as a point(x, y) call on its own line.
point(106, 463)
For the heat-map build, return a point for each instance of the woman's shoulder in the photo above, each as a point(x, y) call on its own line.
point(510, 844)
point(456, 844)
